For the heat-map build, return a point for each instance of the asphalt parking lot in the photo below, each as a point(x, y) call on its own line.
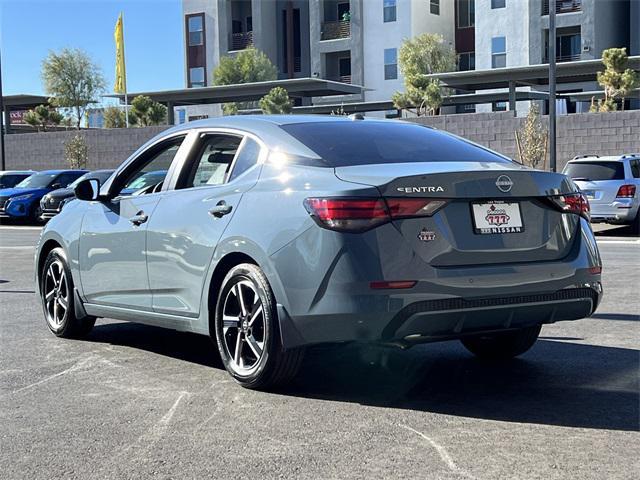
point(133, 401)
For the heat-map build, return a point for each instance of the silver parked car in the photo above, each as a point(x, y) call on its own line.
point(612, 185)
point(273, 233)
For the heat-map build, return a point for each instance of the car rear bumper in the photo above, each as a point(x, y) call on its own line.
point(623, 210)
point(334, 303)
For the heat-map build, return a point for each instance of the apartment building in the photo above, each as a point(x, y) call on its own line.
point(510, 33)
point(357, 41)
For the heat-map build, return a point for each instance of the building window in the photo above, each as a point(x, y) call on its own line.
point(568, 47)
point(498, 3)
point(196, 77)
point(434, 6)
point(196, 30)
point(467, 61)
point(389, 10)
point(390, 63)
point(466, 13)
point(499, 106)
point(498, 52)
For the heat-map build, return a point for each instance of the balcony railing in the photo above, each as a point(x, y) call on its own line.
point(240, 41)
point(562, 6)
point(564, 58)
point(335, 30)
point(341, 78)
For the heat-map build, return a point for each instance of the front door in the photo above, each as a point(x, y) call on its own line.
point(112, 250)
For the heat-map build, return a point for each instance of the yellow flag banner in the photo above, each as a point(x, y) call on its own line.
point(121, 73)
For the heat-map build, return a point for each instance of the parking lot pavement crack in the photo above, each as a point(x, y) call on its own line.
point(442, 451)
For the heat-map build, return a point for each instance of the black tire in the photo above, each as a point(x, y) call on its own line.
point(273, 366)
point(34, 216)
point(635, 225)
point(502, 346)
point(62, 322)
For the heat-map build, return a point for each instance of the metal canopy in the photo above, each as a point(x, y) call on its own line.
point(24, 101)
point(296, 87)
point(567, 72)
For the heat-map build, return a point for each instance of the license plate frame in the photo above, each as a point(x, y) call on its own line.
point(504, 218)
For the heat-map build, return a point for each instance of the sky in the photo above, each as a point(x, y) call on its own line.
point(152, 33)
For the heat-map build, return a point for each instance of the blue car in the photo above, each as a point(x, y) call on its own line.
point(273, 233)
point(23, 200)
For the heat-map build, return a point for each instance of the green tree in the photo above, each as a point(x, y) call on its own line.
point(276, 101)
point(531, 139)
point(72, 80)
point(76, 151)
point(617, 80)
point(250, 65)
point(114, 118)
point(145, 112)
point(41, 116)
point(422, 55)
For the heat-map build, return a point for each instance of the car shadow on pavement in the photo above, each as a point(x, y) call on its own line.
point(555, 383)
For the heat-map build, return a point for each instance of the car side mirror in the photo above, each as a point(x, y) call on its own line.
point(88, 189)
point(56, 186)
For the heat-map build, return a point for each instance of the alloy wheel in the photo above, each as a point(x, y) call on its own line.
point(243, 327)
point(56, 294)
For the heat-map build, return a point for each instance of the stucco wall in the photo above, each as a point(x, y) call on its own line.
point(107, 147)
point(579, 134)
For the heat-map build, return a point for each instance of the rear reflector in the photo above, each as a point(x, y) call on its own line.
point(392, 285)
point(595, 270)
point(626, 191)
point(573, 203)
point(360, 214)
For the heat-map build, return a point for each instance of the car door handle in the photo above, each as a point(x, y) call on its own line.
point(139, 218)
point(221, 209)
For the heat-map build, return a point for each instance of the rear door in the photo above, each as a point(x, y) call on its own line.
point(191, 217)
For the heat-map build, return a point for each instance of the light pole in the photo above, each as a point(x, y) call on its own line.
point(552, 84)
point(3, 165)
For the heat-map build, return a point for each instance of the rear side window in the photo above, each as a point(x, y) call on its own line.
point(65, 179)
point(595, 170)
point(635, 168)
point(342, 144)
point(247, 157)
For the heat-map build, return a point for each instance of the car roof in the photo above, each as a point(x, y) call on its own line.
point(607, 158)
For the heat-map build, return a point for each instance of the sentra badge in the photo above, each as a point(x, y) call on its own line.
point(430, 189)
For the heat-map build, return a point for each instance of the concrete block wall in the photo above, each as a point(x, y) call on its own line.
point(577, 134)
point(45, 150)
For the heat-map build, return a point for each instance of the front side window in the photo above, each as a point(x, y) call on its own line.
point(498, 3)
point(65, 179)
point(147, 174)
point(389, 10)
point(341, 144)
point(498, 52)
point(434, 7)
point(213, 160)
point(466, 13)
point(196, 77)
point(390, 63)
point(195, 25)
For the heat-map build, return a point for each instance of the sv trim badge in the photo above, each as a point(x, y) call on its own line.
point(504, 183)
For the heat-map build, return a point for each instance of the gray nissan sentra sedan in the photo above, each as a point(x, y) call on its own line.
point(273, 233)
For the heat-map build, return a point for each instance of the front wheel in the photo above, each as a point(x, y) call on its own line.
point(56, 291)
point(246, 328)
point(502, 346)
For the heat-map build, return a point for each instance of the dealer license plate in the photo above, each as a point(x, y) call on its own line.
point(497, 217)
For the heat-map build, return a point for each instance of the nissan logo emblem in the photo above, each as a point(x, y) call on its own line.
point(504, 183)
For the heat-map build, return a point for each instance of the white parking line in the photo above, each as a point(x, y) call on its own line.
point(631, 242)
point(26, 227)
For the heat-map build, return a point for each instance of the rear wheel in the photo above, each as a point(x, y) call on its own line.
point(247, 335)
point(56, 290)
point(34, 217)
point(501, 346)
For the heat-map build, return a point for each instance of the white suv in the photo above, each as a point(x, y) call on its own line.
point(612, 185)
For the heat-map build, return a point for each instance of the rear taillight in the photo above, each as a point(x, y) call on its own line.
point(360, 214)
point(573, 203)
point(626, 191)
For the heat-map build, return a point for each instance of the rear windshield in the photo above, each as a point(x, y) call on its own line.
point(595, 171)
point(342, 144)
